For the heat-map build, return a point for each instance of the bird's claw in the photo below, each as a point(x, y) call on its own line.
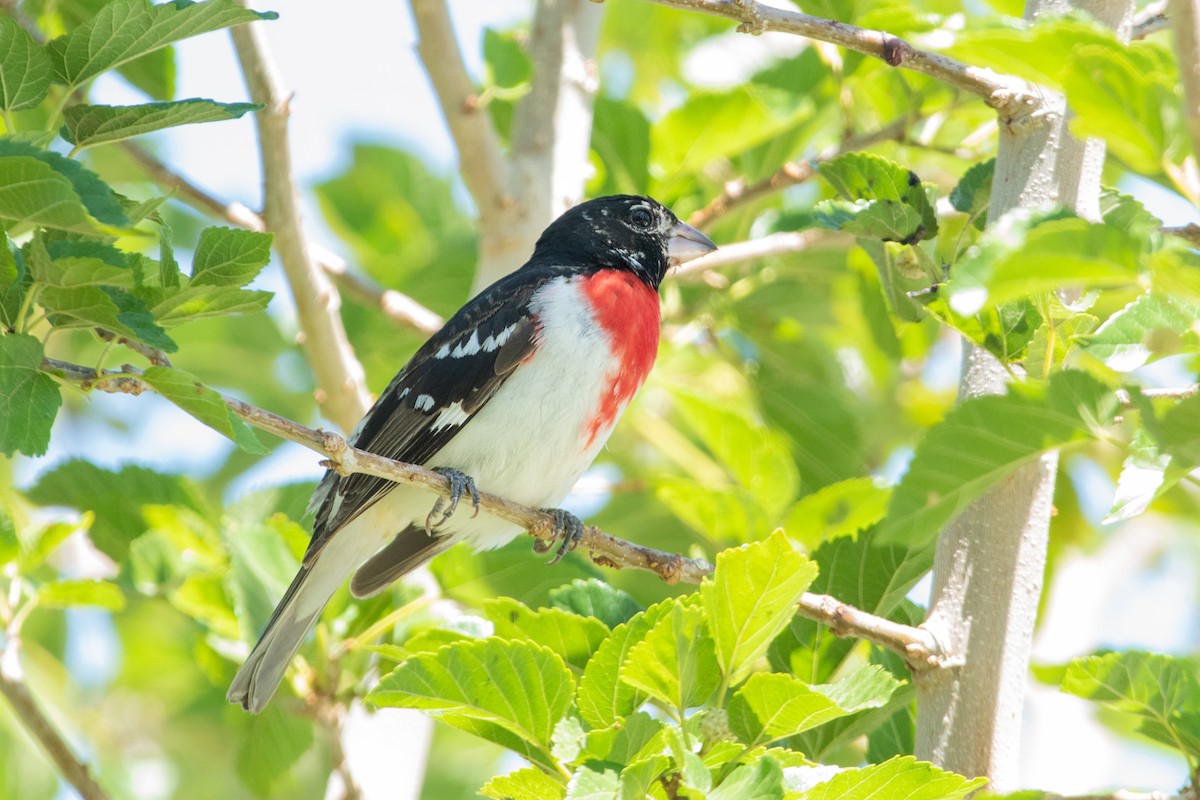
point(460, 484)
point(567, 527)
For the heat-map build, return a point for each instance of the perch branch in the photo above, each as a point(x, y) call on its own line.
point(1011, 97)
point(342, 389)
point(916, 645)
point(74, 771)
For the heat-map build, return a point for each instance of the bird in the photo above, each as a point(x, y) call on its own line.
point(518, 392)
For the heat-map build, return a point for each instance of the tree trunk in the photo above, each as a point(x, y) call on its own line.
point(987, 576)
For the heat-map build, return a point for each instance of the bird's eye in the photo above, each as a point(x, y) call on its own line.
point(640, 217)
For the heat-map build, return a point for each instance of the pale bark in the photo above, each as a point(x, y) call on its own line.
point(987, 577)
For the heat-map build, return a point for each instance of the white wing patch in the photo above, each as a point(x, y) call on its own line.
point(424, 402)
point(443, 351)
point(469, 348)
point(497, 340)
point(452, 415)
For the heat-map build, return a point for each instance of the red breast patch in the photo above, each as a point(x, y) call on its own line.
point(628, 311)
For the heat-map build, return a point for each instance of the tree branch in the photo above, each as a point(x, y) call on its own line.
point(73, 770)
point(1186, 17)
point(481, 159)
point(342, 390)
point(771, 245)
point(398, 307)
point(1150, 19)
point(1011, 97)
point(737, 193)
point(917, 646)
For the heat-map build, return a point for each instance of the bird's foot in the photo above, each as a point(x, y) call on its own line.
point(460, 483)
point(567, 527)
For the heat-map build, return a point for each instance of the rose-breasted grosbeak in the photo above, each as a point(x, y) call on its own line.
point(518, 391)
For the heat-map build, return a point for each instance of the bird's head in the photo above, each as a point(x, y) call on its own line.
point(638, 234)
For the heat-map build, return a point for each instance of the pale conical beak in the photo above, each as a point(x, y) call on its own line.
point(687, 243)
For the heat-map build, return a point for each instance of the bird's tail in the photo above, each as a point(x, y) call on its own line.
point(294, 617)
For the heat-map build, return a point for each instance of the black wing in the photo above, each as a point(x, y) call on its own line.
point(459, 368)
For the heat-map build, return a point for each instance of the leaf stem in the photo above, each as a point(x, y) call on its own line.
point(26, 302)
point(9, 125)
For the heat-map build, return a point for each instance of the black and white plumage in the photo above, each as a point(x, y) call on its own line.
point(519, 390)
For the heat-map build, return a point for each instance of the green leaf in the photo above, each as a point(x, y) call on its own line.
point(726, 514)
point(524, 784)
point(676, 662)
point(622, 742)
point(889, 220)
point(261, 568)
point(29, 398)
point(973, 193)
point(573, 637)
point(638, 777)
point(95, 195)
point(32, 193)
point(839, 509)
point(1179, 433)
point(866, 176)
point(47, 539)
point(274, 741)
point(104, 307)
point(126, 29)
point(185, 390)
point(1164, 691)
point(603, 697)
point(1125, 95)
point(750, 599)
point(1152, 326)
point(773, 706)
point(66, 594)
point(621, 139)
point(1052, 341)
point(984, 440)
point(229, 256)
point(762, 780)
point(199, 302)
point(590, 784)
point(521, 687)
point(595, 598)
point(1142, 478)
point(1016, 261)
point(711, 125)
point(899, 777)
point(24, 67)
point(1005, 331)
point(756, 456)
point(116, 496)
point(10, 544)
point(88, 125)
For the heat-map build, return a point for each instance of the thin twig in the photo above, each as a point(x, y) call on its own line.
point(151, 354)
point(1150, 19)
point(737, 193)
point(482, 162)
point(1011, 97)
point(773, 244)
point(917, 646)
point(1168, 393)
point(1189, 232)
point(342, 388)
point(73, 770)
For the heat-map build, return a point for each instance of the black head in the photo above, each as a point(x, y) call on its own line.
point(638, 234)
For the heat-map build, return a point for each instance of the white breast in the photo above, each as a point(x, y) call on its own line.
point(524, 444)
